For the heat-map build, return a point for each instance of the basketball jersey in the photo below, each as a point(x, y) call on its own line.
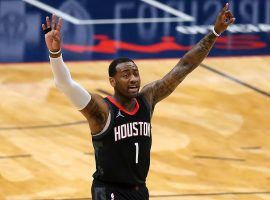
point(122, 152)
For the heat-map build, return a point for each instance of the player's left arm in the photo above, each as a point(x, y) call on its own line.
point(160, 89)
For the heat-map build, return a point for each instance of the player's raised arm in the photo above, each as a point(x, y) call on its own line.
point(158, 90)
point(91, 105)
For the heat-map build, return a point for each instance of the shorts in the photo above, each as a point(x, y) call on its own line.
point(105, 191)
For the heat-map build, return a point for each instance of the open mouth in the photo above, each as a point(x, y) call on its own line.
point(133, 89)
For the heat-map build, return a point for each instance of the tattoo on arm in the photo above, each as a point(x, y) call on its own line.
point(196, 55)
point(160, 89)
point(96, 113)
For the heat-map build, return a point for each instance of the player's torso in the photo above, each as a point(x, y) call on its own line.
point(123, 151)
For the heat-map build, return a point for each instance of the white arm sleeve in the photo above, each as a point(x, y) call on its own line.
point(63, 81)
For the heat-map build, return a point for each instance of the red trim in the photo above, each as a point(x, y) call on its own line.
point(133, 112)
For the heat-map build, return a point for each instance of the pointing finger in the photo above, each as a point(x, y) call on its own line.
point(225, 8)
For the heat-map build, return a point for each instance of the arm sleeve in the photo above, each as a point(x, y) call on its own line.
point(63, 81)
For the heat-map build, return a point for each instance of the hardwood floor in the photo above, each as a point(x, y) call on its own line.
point(211, 137)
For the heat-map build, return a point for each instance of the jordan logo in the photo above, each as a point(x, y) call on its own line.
point(119, 114)
point(112, 196)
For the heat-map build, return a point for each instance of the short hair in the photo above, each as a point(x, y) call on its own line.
point(115, 62)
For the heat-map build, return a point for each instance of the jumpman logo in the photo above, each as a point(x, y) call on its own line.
point(112, 196)
point(119, 114)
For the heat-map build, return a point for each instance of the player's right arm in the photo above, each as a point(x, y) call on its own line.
point(91, 106)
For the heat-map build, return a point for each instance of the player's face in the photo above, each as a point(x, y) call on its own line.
point(127, 79)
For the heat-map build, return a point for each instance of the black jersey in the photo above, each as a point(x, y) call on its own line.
point(122, 152)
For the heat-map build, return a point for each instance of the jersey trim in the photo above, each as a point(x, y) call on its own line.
point(105, 127)
point(133, 112)
point(109, 123)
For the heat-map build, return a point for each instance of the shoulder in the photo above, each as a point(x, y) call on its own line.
point(142, 98)
point(96, 113)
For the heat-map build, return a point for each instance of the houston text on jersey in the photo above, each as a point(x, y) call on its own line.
point(132, 130)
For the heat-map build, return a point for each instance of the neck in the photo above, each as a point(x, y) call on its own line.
point(127, 103)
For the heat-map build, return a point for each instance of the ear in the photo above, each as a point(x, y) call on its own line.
point(112, 81)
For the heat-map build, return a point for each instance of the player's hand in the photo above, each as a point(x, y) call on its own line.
point(53, 37)
point(224, 19)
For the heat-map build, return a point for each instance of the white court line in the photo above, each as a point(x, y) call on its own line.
point(77, 21)
point(169, 9)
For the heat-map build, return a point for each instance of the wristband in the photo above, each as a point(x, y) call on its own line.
point(215, 33)
point(55, 53)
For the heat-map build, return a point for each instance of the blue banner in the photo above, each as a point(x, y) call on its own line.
point(106, 29)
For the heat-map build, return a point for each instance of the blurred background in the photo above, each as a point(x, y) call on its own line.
point(97, 30)
point(210, 137)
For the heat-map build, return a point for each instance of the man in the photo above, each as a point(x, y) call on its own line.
point(120, 124)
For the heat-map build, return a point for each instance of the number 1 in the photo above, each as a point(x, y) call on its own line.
point(137, 152)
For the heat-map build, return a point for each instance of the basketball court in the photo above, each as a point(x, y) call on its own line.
point(210, 137)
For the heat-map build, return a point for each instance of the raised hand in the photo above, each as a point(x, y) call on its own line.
point(53, 36)
point(224, 19)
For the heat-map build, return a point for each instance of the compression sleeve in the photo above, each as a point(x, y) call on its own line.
point(63, 81)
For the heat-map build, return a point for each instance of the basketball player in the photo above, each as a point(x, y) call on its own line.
point(121, 124)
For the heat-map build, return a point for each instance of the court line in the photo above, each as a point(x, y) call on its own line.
point(42, 126)
point(251, 148)
point(77, 21)
point(219, 158)
point(210, 194)
point(16, 156)
point(185, 195)
point(169, 9)
point(235, 80)
point(104, 92)
point(87, 153)
point(67, 199)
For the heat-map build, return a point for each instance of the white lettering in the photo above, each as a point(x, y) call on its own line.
point(145, 129)
point(212, 7)
point(267, 12)
point(141, 128)
point(248, 9)
point(253, 28)
point(117, 135)
point(236, 28)
point(119, 10)
point(264, 27)
point(131, 130)
point(147, 31)
point(135, 133)
point(123, 131)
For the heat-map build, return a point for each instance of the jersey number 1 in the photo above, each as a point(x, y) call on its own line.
point(137, 152)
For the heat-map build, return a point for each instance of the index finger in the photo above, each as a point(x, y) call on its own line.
point(225, 8)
